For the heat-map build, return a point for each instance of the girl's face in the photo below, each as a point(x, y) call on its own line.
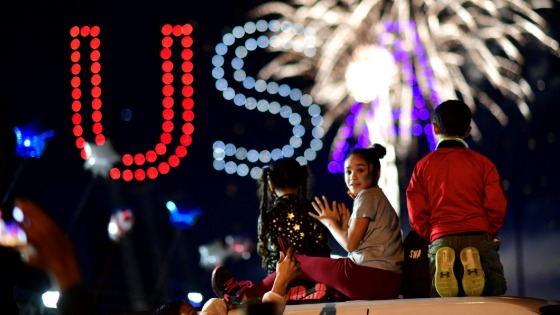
point(357, 173)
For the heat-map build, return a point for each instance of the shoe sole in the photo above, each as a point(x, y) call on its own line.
point(296, 293)
point(445, 281)
point(473, 275)
point(318, 291)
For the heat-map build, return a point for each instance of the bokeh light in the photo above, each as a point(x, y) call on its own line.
point(146, 165)
point(237, 45)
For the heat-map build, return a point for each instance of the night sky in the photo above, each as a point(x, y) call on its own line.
point(158, 262)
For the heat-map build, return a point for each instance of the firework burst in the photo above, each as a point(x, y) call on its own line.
point(381, 66)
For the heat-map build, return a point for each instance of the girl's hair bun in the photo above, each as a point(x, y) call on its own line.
point(377, 150)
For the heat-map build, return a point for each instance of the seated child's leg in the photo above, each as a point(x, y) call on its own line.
point(493, 268)
point(354, 281)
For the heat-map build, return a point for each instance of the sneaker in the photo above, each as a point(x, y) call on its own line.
point(226, 287)
point(445, 281)
point(295, 293)
point(315, 292)
point(473, 275)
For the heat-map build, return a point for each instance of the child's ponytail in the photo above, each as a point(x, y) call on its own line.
point(304, 179)
point(262, 245)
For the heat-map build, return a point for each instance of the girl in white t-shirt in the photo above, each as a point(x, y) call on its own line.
point(371, 234)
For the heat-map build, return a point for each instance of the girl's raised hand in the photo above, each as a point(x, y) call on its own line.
point(344, 214)
point(326, 214)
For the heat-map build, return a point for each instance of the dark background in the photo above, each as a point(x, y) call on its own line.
point(158, 262)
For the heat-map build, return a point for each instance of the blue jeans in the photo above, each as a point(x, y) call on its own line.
point(495, 282)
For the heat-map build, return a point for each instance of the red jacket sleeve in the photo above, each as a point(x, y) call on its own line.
point(417, 203)
point(495, 202)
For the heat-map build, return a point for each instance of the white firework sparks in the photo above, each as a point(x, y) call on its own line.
point(440, 50)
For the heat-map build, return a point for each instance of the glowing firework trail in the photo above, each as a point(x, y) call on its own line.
point(440, 50)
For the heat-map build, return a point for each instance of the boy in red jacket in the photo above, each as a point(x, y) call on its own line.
point(456, 202)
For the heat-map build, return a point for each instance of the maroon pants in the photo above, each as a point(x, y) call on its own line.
point(355, 281)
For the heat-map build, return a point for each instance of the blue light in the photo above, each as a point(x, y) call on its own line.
point(298, 131)
point(219, 154)
point(253, 156)
point(310, 154)
point(237, 63)
point(260, 85)
point(184, 219)
point(274, 107)
point(239, 75)
point(249, 83)
point(241, 153)
point(306, 100)
point(318, 132)
point(230, 149)
point(251, 103)
point(238, 32)
point(256, 172)
point(317, 121)
point(30, 143)
point(262, 25)
point(171, 206)
point(296, 141)
point(219, 165)
point(231, 167)
point(221, 49)
point(288, 151)
point(316, 144)
point(242, 170)
point(274, 25)
point(228, 39)
point(218, 72)
point(241, 52)
point(284, 90)
point(276, 154)
point(262, 105)
point(251, 44)
point(301, 160)
point(288, 111)
point(221, 84)
point(217, 61)
point(295, 94)
point(239, 99)
point(272, 87)
point(250, 27)
point(265, 156)
point(218, 145)
point(229, 94)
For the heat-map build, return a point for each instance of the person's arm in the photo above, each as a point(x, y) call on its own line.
point(418, 208)
point(287, 269)
point(347, 235)
point(50, 249)
point(495, 201)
